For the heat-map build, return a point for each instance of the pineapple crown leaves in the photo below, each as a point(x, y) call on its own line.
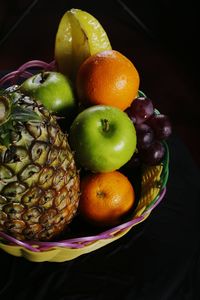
point(10, 113)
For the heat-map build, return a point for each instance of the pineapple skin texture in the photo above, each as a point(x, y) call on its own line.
point(39, 181)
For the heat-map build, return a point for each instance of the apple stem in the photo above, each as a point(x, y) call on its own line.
point(105, 124)
point(44, 76)
point(41, 77)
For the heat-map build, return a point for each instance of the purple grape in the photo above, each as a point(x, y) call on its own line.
point(145, 136)
point(153, 154)
point(140, 110)
point(129, 113)
point(161, 126)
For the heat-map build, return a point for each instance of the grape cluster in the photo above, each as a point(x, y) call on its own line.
point(151, 128)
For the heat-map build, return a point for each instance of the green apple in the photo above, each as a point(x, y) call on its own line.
point(53, 90)
point(103, 138)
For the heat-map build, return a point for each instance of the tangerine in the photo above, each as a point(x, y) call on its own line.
point(106, 198)
point(107, 78)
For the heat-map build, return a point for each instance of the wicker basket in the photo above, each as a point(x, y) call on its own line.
point(153, 188)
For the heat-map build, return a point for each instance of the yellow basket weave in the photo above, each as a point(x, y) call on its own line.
point(153, 188)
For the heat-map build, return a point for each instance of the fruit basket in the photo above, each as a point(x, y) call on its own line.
point(153, 188)
point(50, 208)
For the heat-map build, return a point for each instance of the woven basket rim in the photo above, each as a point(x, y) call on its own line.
point(76, 243)
point(81, 242)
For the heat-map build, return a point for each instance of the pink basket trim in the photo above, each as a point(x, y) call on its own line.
point(17, 242)
point(160, 197)
point(23, 73)
point(81, 242)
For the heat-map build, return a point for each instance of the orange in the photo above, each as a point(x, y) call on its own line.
point(106, 198)
point(107, 78)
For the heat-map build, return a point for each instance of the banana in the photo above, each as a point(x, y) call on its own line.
point(79, 35)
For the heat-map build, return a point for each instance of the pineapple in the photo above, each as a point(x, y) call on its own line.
point(39, 181)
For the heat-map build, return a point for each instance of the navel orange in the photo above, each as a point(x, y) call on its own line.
point(106, 198)
point(107, 78)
